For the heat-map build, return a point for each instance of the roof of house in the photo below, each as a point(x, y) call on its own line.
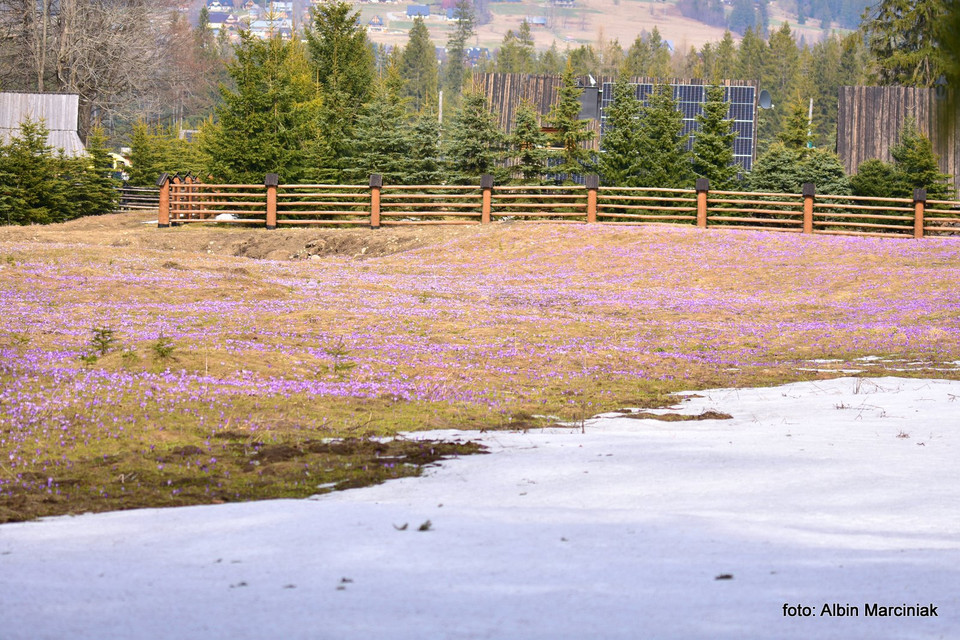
point(57, 110)
point(414, 10)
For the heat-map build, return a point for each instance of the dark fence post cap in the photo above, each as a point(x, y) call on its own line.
point(163, 179)
point(703, 184)
point(919, 195)
point(376, 181)
point(486, 181)
point(809, 189)
point(592, 181)
point(271, 180)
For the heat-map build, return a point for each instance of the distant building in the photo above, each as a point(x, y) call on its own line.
point(59, 112)
point(536, 21)
point(415, 10)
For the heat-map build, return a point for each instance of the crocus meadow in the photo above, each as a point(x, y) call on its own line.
point(489, 327)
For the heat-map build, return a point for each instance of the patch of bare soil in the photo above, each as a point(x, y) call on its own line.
point(134, 230)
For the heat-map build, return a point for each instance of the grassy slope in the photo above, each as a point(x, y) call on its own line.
point(472, 327)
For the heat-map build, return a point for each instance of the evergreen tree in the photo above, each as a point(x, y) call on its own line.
point(917, 166)
point(528, 145)
point(341, 56)
point(903, 36)
point(796, 131)
point(784, 170)
point(550, 61)
point(419, 67)
point(342, 61)
point(713, 142)
point(95, 191)
point(725, 67)
point(384, 140)
point(456, 66)
point(571, 132)
point(425, 163)
point(777, 170)
point(508, 56)
point(474, 141)
point(666, 162)
point(824, 168)
point(268, 123)
point(620, 145)
point(875, 178)
point(35, 189)
point(648, 56)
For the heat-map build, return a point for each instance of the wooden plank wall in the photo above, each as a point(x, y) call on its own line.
point(869, 120)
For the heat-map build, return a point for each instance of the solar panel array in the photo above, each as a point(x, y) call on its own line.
point(690, 99)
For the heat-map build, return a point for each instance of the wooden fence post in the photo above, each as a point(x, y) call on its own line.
point(163, 217)
point(593, 183)
point(486, 184)
point(809, 193)
point(271, 181)
point(376, 184)
point(176, 199)
point(919, 204)
point(703, 188)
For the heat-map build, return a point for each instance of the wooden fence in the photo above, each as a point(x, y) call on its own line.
point(184, 200)
point(137, 198)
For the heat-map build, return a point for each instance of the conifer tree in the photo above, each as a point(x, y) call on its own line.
point(94, 189)
point(456, 66)
point(425, 162)
point(620, 148)
point(35, 185)
point(474, 142)
point(916, 165)
point(571, 132)
point(713, 142)
point(796, 131)
point(342, 61)
point(384, 139)
point(269, 122)
point(666, 163)
point(528, 145)
point(904, 37)
point(419, 67)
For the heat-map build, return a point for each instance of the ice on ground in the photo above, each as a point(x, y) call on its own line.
point(837, 493)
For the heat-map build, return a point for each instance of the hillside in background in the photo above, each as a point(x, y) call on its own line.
point(684, 23)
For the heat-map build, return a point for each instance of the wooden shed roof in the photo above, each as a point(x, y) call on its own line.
point(59, 112)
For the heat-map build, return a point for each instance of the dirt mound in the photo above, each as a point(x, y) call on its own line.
point(139, 231)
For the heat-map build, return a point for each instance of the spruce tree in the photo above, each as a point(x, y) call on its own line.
point(341, 56)
point(713, 142)
point(36, 185)
point(528, 145)
point(269, 122)
point(916, 165)
point(425, 162)
point(620, 148)
point(875, 178)
point(95, 191)
point(904, 37)
point(342, 61)
point(796, 130)
point(571, 133)
point(384, 140)
point(666, 163)
point(474, 142)
point(419, 67)
point(456, 66)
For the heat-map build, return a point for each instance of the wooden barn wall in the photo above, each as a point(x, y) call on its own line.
point(869, 120)
point(505, 92)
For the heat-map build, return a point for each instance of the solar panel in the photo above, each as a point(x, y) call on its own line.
point(690, 99)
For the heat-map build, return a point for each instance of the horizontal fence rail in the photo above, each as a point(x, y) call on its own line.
point(185, 199)
point(137, 198)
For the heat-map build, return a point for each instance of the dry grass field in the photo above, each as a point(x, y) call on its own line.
point(149, 367)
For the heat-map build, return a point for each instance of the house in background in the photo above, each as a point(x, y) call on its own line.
point(59, 112)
